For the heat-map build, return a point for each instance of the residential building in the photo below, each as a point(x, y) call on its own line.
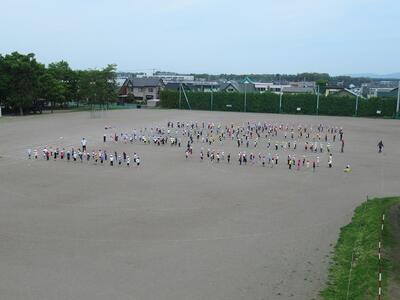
point(170, 77)
point(140, 89)
point(303, 84)
point(278, 88)
point(236, 87)
point(194, 86)
point(298, 90)
point(382, 92)
point(262, 87)
point(342, 92)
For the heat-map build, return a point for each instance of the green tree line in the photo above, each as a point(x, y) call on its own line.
point(270, 103)
point(24, 82)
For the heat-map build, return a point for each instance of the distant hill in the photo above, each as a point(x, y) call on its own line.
point(376, 76)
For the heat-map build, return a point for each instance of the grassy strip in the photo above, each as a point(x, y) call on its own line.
point(359, 240)
point(392, 250)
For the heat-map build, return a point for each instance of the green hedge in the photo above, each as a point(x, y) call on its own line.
point(269, 103)
point(369, 107)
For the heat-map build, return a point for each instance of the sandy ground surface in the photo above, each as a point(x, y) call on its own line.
point(176, 229)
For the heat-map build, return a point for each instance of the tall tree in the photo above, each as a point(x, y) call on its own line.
point(109, 83)
point(64, 76)
point(4, 79)
point(21, 78)
point(97, 86)
point(51, 89)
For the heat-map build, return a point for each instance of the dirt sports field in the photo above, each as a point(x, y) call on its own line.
point(176, 229)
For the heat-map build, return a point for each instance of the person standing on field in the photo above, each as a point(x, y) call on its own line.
point(380, 146)
point(83, 143)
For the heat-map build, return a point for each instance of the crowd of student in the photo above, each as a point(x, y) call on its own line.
point(83, 156)
point(247, 137)
point(257, 143)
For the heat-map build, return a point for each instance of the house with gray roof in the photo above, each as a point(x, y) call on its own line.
point(297, 90)
point(387, 93)
point(342, 92)
point(140, 89)
point(193, 86)
point(238, 87)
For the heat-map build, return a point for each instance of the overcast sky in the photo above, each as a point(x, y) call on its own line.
point(210, 36)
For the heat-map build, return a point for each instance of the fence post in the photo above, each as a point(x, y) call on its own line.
point(317, 99)
point(211, 108)
point(180, 96)
point(398, 101)
point(357, 105)
point(245, 97)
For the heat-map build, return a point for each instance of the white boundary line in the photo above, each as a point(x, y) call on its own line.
point(379, 258)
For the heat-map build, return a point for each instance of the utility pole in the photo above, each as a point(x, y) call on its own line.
point(280, 101)
point(398, 101)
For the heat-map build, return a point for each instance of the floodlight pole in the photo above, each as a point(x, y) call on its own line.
point(398, 101)
point(280, 101)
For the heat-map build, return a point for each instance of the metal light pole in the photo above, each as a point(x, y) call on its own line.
point(398, 101)
point(357, 104)
point(280, 102)
point(317, 99)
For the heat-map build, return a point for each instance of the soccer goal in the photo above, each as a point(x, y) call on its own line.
point(98, 111)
